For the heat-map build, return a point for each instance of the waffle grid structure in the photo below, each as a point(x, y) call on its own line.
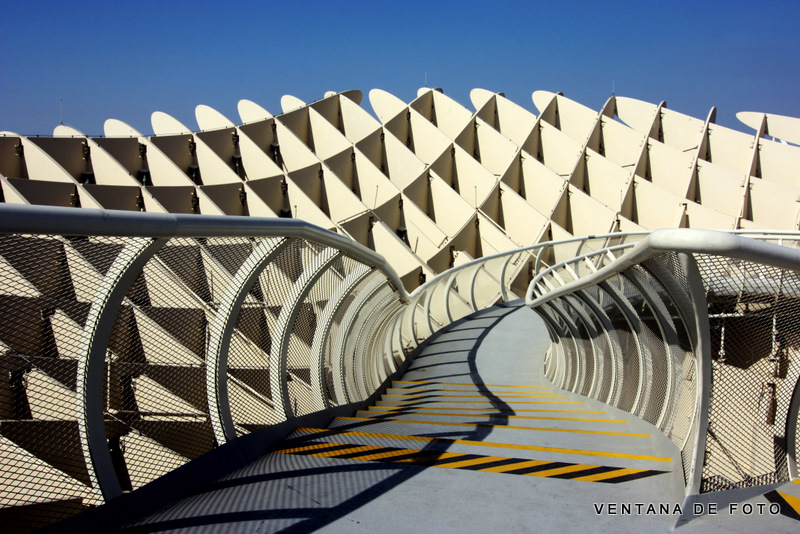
point(428, 185)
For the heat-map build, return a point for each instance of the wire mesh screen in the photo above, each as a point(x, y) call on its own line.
point(585, 340)
point(252, 401)
point(754, 313)
point(47, 285)
point(602, 356)
point(653, 335)
point(304, 329)
point(608, 353)
point(157, 411)
point(619, 312)
point(487, 285)
point(676, 297)
point(340, 386)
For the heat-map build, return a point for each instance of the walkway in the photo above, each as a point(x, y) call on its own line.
point(472, 439)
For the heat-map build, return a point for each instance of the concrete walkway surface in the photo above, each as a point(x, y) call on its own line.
point(472, 439)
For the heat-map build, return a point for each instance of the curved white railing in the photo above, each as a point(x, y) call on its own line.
point(695, 331)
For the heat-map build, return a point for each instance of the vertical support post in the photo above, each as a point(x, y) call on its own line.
point(219, 338)
point(91, 362)
point(703, 369)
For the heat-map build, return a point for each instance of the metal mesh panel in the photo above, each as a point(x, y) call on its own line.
point(47, 286)
point(356, 358)
point(332, 374)
point(608, 351)
point(302, 336)
point(304, 328)
point(753, 314)
point(654, 339)
point(570, 346)
point(157, 413)
point(365, 346)
point(553, 356)
point(251, 398)
point(648, 344)
point(618, 311)
point(677, 299)
point(487, 283)
point(585, 340)
point(668, 271)
point(458, 298)
point(602, 356)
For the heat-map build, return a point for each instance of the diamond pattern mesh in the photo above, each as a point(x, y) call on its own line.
point(754, 313)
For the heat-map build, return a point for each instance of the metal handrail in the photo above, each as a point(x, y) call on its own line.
point(18, 218)
point(741, 245)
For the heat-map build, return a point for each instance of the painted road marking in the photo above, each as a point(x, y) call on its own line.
point(446, 441)
point(483, 410)
point(437, 395)
point(789, 504)
point(442, 390)
point(472, 462)
point(487, 401)
point(468, 384)
point(489, 425)
point(537, 417)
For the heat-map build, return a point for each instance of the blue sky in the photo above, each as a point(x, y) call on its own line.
point(125, 60)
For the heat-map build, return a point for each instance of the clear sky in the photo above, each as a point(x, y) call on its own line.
point(124, 60)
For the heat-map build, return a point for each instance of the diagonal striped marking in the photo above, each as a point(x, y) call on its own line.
point(487, 410)
point(597, 477)
point(445, 441)
point(474, 462)
point(450, 392)
point(536, 417)
point(561, 470)
point(432, 390)
point(438, 396)
point(487, 401)
point(489, 425)
point(476, 384)
point(461, 461)
point(483, 410)
point(515, 466)
point(791, 501)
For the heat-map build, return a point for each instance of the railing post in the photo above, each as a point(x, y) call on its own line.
point(219, 338)
point(91, 363)
point(703, 367)
point(279, 355)
point(321, 335)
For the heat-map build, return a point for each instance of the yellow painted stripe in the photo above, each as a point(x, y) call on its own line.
point(314, 446)
point(537, 417)
point(474, 461)
point(494, 404)
point(487, 425)
point(609, 474)
point(382, 455)
point(512, 467)
point(426, 439)
point(796, 481)
point(791, 500)
point(561, 470)
point(440, 390)
point(532, 396)
point(483, 410)
point(469, 384)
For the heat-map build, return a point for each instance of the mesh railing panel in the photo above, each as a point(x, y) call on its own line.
point(618, 310)
point(754, 313)
point(47, 285)
point(157, 411)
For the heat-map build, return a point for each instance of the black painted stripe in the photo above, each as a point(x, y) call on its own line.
point(433, 458)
